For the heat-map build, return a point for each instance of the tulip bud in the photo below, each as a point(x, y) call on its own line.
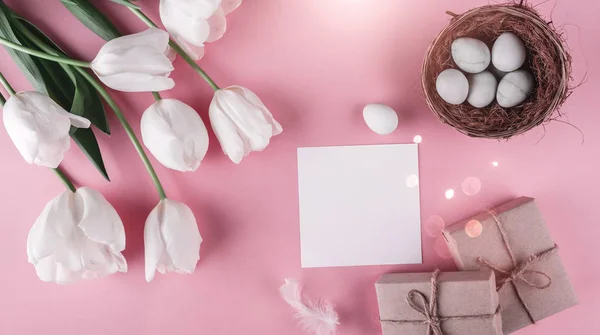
point(241, 122)
point(79, 235)
point(175, 134)
point(136, 63)
point(39, 127)
point(171, 239)
point(192, 23)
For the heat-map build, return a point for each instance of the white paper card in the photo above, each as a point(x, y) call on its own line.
point(359, 205)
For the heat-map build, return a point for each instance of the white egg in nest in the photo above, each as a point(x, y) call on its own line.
point(452, 86)
point(470, 55)
point(508, 53)
point(380, 118)
point(514, 88)
point(482, 89)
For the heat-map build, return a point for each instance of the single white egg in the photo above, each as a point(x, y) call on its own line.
point(508, 52)
point(514, 88)
point(452, 86)
point(470, 55)
point(380, 118)
point(482, 89)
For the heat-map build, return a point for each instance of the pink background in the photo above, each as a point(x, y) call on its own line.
point(315, 63)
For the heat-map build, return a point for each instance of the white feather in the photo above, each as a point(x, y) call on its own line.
point(318, 318)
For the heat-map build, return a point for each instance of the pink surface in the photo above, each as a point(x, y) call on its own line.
point(315, 63)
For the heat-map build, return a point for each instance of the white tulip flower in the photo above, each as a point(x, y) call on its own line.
point(171, 239)
point(39, 127)
point(241, 122)
point(136, 63)
point(175, 134)
point(78, 235)
point(195, 22)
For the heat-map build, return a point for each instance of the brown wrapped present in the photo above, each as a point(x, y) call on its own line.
point(447, 303)
point(513, 240)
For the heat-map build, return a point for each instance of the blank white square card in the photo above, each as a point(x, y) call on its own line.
point(359, 205)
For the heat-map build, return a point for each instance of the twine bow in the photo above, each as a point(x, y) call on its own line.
point(419, 302)
point(520, 271)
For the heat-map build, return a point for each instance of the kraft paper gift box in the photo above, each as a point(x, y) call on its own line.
point(466, 304)
point(514, 241)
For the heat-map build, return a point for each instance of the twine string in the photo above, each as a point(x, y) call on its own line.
point(520, 271)
point(419, 303)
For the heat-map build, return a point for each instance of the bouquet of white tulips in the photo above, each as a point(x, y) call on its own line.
point(79, 235)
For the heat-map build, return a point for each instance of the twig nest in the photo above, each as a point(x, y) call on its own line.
point(534, 46)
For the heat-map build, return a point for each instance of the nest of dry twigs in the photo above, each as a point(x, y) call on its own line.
point(548, 61)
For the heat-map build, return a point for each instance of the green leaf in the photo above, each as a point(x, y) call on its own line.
point(62, 84)
point(24, 61)
point(92, 18)
point(86, 101)
point(126, 4)
point(86, 140)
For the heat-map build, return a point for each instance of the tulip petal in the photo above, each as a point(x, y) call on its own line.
point(45, 269)
point(154, 246)
point(50, 229)
point(175, 134)
point(142, 59)
point(229, 6)
point(255, 100)
point(99, 220)
point(187, 20)
point(249, 121)
point(181, 235)
point(38, 127)
point(195, 52)
point(138, 82)
point(155, 38)
point(232, 143)
point(218, 25)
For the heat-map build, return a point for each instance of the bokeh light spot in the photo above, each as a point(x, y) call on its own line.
point(473, 228)
point(417, 139)
point(441, 248)
point(449, 193)
point(471, 185)
point(495, 164)
point(412, 180)
point(434, 225)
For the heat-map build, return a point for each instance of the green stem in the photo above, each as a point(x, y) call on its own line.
point(43, 55)
point(178, 49)
point(65, 179)
point(6, 85)
point(113, 105)
point(136, 143)
point(157, 96)
point(2, 100)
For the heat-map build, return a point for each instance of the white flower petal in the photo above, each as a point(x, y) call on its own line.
point(136, 63)
point(255, 100)
point(181, 236)
point(248, 119)
point(38, 127)
point(218, 25)
point(138, 82)
point(175, 134)
point(99, 220)
point(229, 6)
point(51, 228)
point(231, 142)
point(155, 38)
point(154, 246)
